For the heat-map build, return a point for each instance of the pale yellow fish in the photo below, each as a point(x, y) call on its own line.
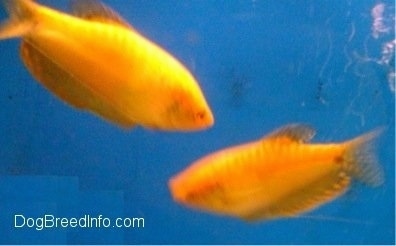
point(98, 62)
point(280, 175)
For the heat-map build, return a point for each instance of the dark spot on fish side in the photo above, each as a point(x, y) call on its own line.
point(339, 159)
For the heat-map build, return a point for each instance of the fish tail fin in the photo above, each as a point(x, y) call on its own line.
point(361, 161)
point(20, 20)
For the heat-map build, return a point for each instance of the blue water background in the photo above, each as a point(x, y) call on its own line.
point(261, 64)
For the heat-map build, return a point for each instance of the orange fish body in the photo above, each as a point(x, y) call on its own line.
point(98, 62)
point(280, 175)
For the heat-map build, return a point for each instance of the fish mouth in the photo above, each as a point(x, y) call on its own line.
point(175, 191)
point(210, 120)
point(204, 119)
point(200, 121)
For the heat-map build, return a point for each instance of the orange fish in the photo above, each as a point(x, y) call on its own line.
point(95, 61)
point(280, 175)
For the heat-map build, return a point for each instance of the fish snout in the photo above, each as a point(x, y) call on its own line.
point(195, 121)
point(176, 190)
point(205, 118)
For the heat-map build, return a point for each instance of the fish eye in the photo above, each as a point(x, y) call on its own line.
point(200, 115)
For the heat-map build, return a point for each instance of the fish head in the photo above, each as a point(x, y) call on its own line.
point(183, 191)
point(188, 110)
point(196, 191)
point(187, 195)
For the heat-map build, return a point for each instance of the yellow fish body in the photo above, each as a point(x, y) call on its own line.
point(97, 62)
point(280, 175)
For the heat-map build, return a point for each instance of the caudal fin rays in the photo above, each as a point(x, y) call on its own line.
point(361, 160)
point(20, 20)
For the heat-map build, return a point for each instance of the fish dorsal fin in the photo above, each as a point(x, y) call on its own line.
point(294, 132)
point(95, 10)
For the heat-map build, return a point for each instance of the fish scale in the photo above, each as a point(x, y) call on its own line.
point(280, 175)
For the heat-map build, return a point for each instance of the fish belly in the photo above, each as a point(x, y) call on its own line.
point(109, 60)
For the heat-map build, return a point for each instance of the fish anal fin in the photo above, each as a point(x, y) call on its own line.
point(67, 87)
point(95, 10)
point(293, 132)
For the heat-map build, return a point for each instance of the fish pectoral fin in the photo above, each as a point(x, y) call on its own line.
point(294, 132)
point(67, 87)
point(95, 10)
